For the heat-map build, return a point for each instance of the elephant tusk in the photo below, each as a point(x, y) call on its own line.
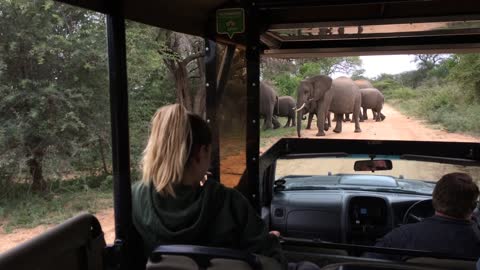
point(301, 108)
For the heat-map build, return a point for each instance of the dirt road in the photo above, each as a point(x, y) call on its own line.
point(395, 127)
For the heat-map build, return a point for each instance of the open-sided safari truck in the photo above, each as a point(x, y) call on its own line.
point(330, 216)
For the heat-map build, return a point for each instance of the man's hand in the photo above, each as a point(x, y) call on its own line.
point(275, 233)
point(205, 178)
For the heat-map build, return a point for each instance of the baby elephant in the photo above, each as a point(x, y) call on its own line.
point(372, 99)
point(286, 108)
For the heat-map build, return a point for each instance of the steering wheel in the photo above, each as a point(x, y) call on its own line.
point(418, 211)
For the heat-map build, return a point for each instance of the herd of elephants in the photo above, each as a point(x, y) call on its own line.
point(321, 95)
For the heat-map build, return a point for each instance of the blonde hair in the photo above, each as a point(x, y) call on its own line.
point(168, 148)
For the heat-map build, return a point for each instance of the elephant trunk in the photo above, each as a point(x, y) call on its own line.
point(299, 122)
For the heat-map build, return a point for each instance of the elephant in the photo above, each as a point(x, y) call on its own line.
point(286, 108)
point(361, 83)
point(268, 103)
point(346, 98)
point(325, 95)
point(372, 99)
point(313, 97)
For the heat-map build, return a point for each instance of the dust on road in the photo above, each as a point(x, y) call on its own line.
point(395, 127)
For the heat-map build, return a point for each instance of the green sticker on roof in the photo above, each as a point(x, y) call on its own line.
point(230, 21)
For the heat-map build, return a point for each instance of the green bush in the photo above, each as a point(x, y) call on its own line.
point(447, 105)
point(402, 93)
point(386, 85)
point(20, 207)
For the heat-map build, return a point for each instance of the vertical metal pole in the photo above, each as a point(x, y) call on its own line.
point(120, 138)
point(212, 102)
point(253, 101)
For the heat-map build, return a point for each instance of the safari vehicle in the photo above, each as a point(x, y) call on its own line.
point(330, 216)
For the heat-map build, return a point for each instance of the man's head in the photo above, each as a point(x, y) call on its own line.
point(455, 195)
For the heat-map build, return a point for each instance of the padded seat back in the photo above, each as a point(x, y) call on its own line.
point(188, 257)
point(174, 262)
point(77, 243)
point(444, 263)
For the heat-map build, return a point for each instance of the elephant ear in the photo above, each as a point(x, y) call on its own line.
point(321, 84)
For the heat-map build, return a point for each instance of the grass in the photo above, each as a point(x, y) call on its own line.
point(21, 208)
point(447, 106)
point(270, 136)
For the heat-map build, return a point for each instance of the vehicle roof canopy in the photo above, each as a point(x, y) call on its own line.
point(302, 28)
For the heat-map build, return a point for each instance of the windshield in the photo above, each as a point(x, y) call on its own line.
point(339, 173)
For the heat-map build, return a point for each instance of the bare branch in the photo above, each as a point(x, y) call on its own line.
point(192, 57)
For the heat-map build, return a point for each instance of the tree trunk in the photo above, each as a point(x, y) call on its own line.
point(181, 85)
point(102, 155)
point(200, 97)
point(35, 164)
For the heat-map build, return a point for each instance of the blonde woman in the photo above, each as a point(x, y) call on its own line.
point(170, 206)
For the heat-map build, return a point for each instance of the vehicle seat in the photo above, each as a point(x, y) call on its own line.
point(389, 266)
point(188, 257)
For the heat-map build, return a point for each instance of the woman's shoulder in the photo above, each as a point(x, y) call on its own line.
point(230, 194)
point(139, 189)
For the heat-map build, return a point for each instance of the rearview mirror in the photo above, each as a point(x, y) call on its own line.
point(373, 165)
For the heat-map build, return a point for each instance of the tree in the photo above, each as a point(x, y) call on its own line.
point(53, 82)
point(428, 61)
point(272, 67)
point(183, 55)
point(150, 83)
point(329, 66)
point(466, 72)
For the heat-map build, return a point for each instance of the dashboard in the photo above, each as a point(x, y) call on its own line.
point(340, 216)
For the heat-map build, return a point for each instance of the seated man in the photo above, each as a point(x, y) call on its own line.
point(451, 230)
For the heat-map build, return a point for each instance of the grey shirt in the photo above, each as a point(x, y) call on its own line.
point(435, 234)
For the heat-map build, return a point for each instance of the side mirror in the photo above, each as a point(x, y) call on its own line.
point(373, 165)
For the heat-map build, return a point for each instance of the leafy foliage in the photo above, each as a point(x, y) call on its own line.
point(286, 74)
point(53, 73)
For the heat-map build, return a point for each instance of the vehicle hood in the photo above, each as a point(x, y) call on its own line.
point(358, 181)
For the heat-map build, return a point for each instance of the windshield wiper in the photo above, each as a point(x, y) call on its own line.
point(312, 188)
point(403, 191)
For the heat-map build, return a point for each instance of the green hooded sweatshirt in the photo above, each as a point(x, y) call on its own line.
point(212, 215)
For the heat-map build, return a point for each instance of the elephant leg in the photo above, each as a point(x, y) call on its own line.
point(288, 122)
point(365, 116)
point(310, 118)
point(321, 115)
point(268, 123)
point(356, 116)
point(293, 121)
point(328, 123)
point(347, 117)
point(334, 117)
point(338, 126)
point(275, 122)
point(382, 116)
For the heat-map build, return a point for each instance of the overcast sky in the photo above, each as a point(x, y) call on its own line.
point(390, 64)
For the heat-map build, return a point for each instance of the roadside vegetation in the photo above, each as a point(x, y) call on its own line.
point(444, 90)
point(20, 207)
